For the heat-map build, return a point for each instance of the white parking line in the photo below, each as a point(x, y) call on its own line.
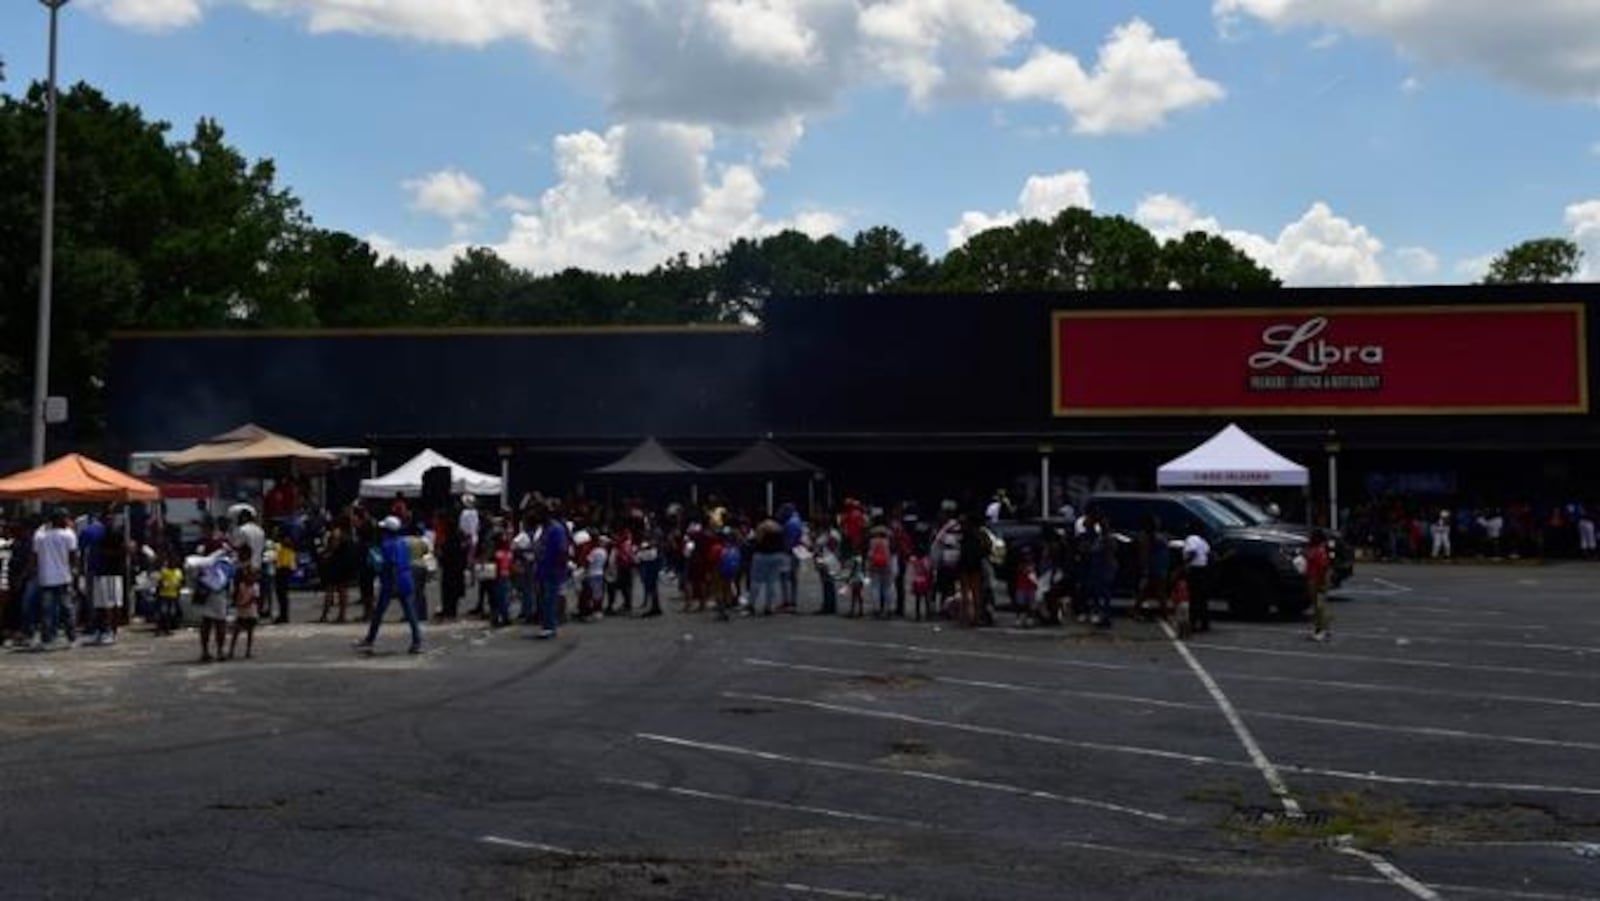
point(1433, 639)
point(1268, 772)
point(1408, 690)
point(1366, 725)
point(958, 652)
point(1397, 661)
point(997, 787)
point(800, 888)
point(1133, 750)
point(1274, 779)
point(1476, 890)
point(758, 802)
point(528, 846)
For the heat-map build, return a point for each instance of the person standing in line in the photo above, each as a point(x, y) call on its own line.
point(922, 586)
point(552, 570)
point(246, 609)
point(794, 536)
point(106, 594)
point(468, 524)
point(619, 573)
point(649, 557)
point(828, 572)
point(1154, 562)
point(766, 565)
point(1197, 563)
point(335, 572)
point(901, 541)
point(1317, 566)
point(1102, 570)
point(169, 592)
point(452, 554)
point(969, 570)
point(422, 562)
point(1441, 536)
point(212, 582)
point(880, 569)
point(524, 548)
point(1586, 532)
point(1025, 593)
point(55, 560)
point(284, 564)
point(504, 562)
point(394, 583)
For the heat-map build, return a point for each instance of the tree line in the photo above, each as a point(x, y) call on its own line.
point(157, 230)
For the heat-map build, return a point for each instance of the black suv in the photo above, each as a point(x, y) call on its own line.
point(1340, 554)
point(1253, 567)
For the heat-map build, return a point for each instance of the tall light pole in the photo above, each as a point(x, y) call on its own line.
point(47, 253)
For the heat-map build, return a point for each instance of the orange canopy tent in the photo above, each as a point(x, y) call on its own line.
point(76, 479)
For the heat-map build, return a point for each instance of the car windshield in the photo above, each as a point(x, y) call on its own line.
point(1245, 510)
point(1214, 514)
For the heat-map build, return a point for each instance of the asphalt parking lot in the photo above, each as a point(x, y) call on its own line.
point(1445, 744)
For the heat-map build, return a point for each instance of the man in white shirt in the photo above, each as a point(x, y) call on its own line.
point(1197, 561)
point(468, 523)
point(250, 539)
point(55, 558)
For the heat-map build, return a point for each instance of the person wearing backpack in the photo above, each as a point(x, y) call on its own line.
point(880, 568)
point(393, 565)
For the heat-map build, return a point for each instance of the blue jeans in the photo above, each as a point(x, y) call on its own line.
point(549, 602)
point(53, 600)
point(386, 595)
point(881, 586)
point(765, 572)
point(502, 601)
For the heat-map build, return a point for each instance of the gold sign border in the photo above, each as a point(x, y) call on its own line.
point(1578, 310)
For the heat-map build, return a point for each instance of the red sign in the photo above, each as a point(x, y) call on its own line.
point(1350, 361)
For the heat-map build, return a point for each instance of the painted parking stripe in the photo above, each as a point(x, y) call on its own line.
point(1397, 661)
point(801, 888)
point(1364, 725)
point(528, 846)
point(1344, 775)
point(1132, 750)
point(997, 787)
point(1434, 639)
point(1275, 780)
point(1475, 890)
point(829, 812)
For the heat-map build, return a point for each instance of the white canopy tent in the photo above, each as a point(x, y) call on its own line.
point(1232, 459)
point(407, 479)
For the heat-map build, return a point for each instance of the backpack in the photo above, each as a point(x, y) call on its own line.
point(879, 553)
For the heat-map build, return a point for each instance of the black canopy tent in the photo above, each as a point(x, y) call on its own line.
point(650, 461)
point(767, 460)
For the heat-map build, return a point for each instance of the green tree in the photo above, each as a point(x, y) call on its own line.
point(1540, 261)
point(1204, 262)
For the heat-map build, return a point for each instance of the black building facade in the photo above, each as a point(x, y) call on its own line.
point(910, 396)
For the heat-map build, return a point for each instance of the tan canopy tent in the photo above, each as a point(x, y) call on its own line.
point(250, 446)
point(75, 479)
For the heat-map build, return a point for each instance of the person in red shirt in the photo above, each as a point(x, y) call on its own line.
point(853, 523)
point(1317, 565)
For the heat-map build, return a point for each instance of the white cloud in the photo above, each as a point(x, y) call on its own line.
point(149, 15)
point(1320, 248)
point(450, 194)
point(764, 66)
point(1042, 197)
point(1411, 85)
point(545, 24)
point(1416, 264)
point(1584, 220)
point(1548, 46)
point(1137, 82)
point(1473, 269)
point(627, 200)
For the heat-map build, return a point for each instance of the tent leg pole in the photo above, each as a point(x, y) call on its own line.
point(811, 498)
point(1044, 486)
point(769, 497)
point(505, 481)
point(1333, 491)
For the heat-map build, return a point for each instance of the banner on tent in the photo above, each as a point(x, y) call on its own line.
point(1352, 361)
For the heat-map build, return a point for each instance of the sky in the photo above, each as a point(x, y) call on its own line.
point(1339, 142)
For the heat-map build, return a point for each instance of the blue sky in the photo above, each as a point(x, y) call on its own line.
point(1339, 141)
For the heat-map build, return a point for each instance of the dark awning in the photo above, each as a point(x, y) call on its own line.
point(764, 459)
point(648, 459)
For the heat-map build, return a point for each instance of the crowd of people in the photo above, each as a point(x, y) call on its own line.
point(549, 563)
point(1408, 529)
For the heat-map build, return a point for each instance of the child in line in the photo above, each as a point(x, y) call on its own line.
point(169, 595)
point(1027, 588)
point(1317, 566)
point(1178, 604)
point(501, 615)
point(922, 586)
point(855, 576)
point(246, 610)
point(649, 559)
point(829, 571)
point(728, 569)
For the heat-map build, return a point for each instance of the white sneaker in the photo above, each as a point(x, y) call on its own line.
point(108, 638)
point(35, 643)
